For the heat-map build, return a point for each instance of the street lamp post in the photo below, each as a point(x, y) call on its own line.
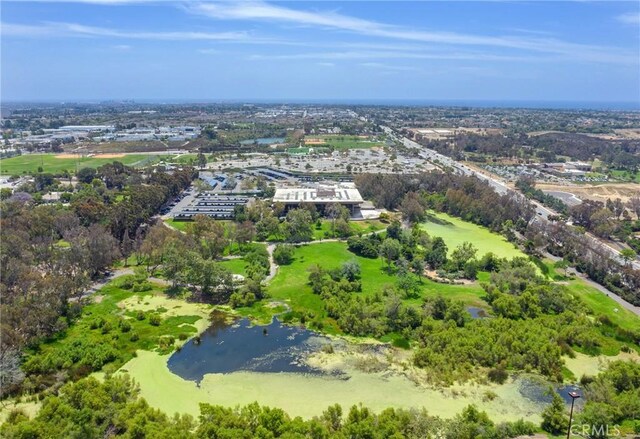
point(574, 396)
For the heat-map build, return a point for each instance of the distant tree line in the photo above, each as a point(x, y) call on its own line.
point(551, 147)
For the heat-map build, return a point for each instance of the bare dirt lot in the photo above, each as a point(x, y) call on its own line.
point(108, 156)
point(597, 192)
point(128, 147)
point(314, 141)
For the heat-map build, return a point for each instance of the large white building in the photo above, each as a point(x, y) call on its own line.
point(320, 195)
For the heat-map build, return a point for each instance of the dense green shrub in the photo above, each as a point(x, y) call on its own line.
point(283, 254)
point(75, 354)
point(155, 319)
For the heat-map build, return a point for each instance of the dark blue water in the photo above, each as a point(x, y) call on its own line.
point(538, 391)
point(263, 141)
point(477, 313)
point(226, 348)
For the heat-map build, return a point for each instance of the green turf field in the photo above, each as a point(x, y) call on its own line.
point(339, 141)
point(455, 231)
point(29, 163)
point(186, 159)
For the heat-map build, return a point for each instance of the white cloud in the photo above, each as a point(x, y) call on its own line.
point(382, 54)
point(629, 18)
point(389, 67)
point(96, 2)
point(262, 11)
point(209, 51)
point(57, 29)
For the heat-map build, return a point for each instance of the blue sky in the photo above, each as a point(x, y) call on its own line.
point(244, 50)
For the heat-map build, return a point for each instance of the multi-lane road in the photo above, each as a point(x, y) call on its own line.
point(542, 212)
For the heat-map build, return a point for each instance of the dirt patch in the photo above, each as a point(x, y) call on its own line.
point(68, 156)
point(433, 275)
point(596, 192)
point(314, 142)
point(108, 156)
point(628, 133)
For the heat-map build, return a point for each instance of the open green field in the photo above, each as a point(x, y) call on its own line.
point(53, 163)
point(368, 226)
point(290, 284)
point(183, 226)
point(601, 304)
point(339, 141)
point(626, 176)
point(236, 265)
point(186, 159)
point(180, 225)
point(455, 231)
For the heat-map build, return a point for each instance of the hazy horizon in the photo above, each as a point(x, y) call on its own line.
point(480, 103)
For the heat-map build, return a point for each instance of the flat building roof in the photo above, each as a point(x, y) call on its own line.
point(318, 195)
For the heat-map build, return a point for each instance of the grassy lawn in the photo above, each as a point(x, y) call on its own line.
point(236, 266)
point(181, 158)
point(455, 231)
point(626, 176)
point(29, 163)
point(601, 304)
point(367, 226)
point(180, 225)
point(339, 141)
point(290, 284)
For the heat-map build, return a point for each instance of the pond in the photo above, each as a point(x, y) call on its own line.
point(264, 141)
point(230, 347)
point(537, 390)
point(477, 313)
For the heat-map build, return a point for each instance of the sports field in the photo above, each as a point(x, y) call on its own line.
point(56, 163)
point(339, 141)
point(455, 231)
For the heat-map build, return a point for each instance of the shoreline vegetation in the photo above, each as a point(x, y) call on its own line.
point(537, 325)
point(160, 387)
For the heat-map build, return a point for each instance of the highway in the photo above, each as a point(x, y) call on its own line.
point(542, 212)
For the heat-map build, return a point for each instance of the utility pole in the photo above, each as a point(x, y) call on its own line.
point(574, 396)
